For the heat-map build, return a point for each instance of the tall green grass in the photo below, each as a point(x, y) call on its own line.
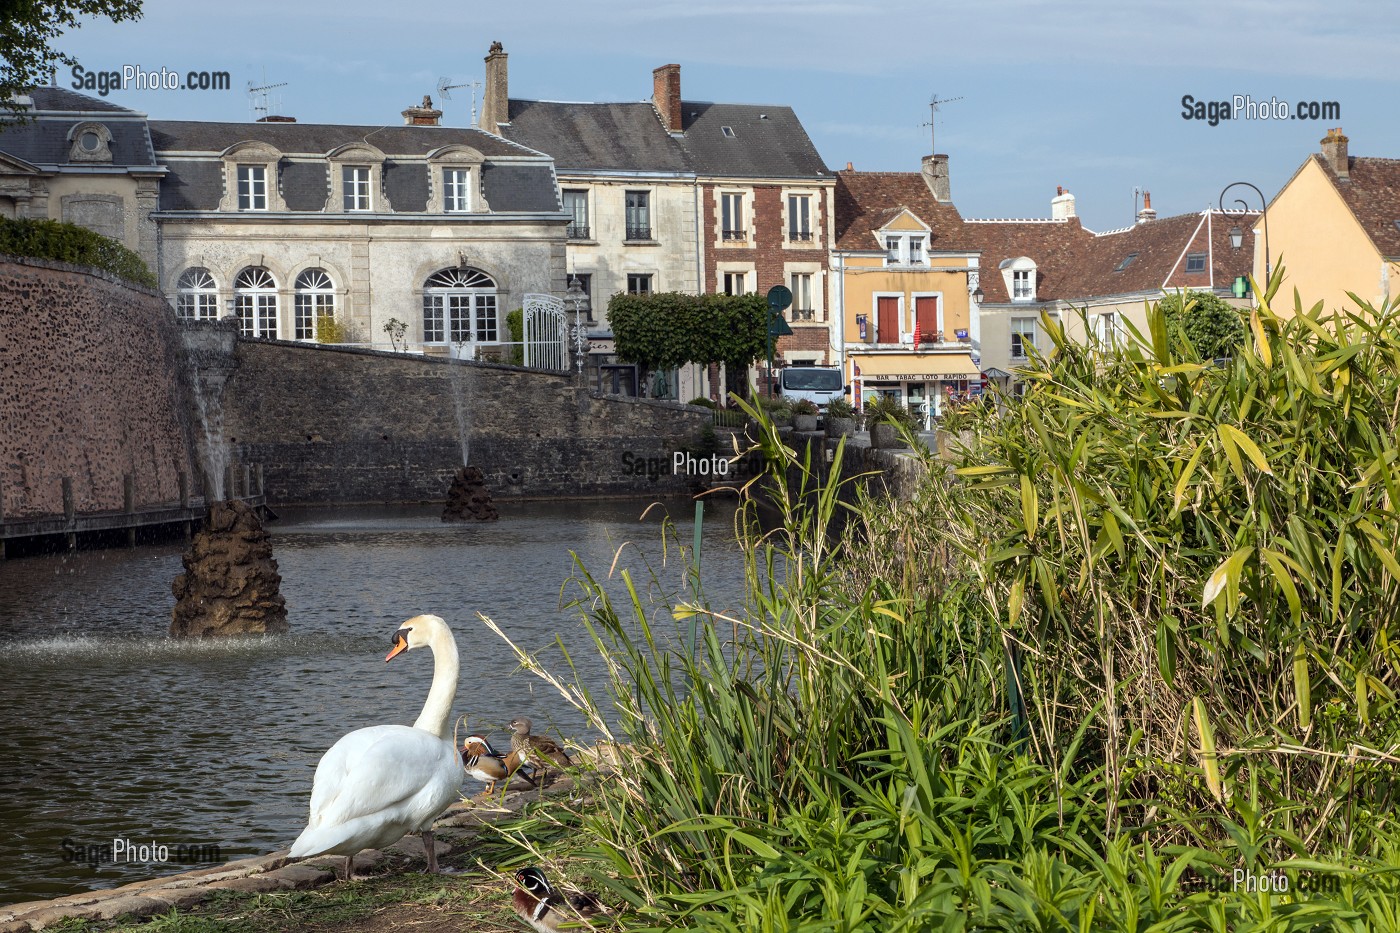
point(1139, 639)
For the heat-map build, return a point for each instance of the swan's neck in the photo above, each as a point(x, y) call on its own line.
point(437, 710)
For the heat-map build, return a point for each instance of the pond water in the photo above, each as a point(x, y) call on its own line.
point(114, 731)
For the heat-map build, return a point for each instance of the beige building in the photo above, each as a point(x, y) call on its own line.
point(83, 161)
point(285, 225)
point(1335, 227)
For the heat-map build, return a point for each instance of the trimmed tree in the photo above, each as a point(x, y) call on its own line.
point(1211, 324)
point(669, 329)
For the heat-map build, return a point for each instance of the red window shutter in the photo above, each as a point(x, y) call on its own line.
point(887, 320)
point(926, 313)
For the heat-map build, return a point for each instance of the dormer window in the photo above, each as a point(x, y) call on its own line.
point(355, 184)
point(905, 249)
point(1019, 277)
point(455, 171)
point(252, 187)
point(1022, 285)
point(1195, 262)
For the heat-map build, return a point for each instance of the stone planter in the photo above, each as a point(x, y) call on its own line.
point(804, 422)
point(840, 427)
point(948, 442)
point(886, 437)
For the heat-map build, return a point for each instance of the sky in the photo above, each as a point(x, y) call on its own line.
point(1081, 93)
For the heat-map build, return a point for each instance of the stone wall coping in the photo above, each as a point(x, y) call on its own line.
point(400, 355)
point(103, 274)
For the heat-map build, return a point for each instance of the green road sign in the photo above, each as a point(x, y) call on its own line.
point(779, 297)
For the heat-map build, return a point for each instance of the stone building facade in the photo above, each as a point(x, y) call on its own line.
point(289, 226)
point(83, 161)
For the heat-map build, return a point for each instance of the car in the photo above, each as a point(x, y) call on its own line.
point(818, 384)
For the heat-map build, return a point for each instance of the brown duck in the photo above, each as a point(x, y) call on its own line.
point(537, 751)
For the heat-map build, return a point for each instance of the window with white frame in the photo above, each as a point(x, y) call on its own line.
point(732, 228)
point(1106, 329)
point(355, 185)
point(313, 303)
point(252, 187)
point(196, 295)
point(456, 190)
point(255, 302)
point(799, 218)
point(576, 206)
point(1022, 337)
point(1195, 262)
point(459, 306)
point(905, 249)
point(638, 215)
point(1022, 284)
point(801, 285)
point(735, 283)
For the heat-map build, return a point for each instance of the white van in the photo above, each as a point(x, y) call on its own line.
point(814, 383)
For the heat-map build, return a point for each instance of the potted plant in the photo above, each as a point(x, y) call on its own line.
point(804, 415)
point(840, 418)
point(883, 414)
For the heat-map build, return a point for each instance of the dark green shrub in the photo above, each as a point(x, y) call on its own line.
point(49, 239)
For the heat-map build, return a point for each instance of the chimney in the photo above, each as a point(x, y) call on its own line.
point(936, 177)
point(666, 96)
point(1062, 204)
point(423, 115)
point(274, 118)
point(495, 103)
point(1147, 214)
point(1334, 152)
point(850, 166)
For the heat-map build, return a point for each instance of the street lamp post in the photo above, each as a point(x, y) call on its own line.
point(578, 332)
point(1236, 234)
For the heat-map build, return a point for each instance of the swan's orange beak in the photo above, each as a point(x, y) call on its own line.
point(400, 645)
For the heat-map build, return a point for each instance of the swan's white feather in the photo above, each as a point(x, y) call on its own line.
point(374, 786)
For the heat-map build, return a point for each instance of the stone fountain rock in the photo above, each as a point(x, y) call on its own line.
point(467, 499)
point(230, 585)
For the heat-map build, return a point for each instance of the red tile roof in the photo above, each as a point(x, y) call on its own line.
point(1373, 193)
point(1072, 263)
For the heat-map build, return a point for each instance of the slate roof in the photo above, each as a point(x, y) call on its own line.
point(320, 138)
point(525, 186)
point(57, 98)
point(44, 140)
point(596, 137)
point(1373, 193)
point(768, 141)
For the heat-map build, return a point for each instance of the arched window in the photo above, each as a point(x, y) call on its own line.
point(196, 295)
point(315, 299)
point(459, 306)
point(255, 302)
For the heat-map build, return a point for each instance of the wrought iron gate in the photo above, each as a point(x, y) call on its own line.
point(546, 333)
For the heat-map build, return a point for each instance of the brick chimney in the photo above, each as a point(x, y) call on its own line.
point(666, 95)
point(1334, 153)
point(495, 104)
point(423, 115)
point(1062, 204)
point(1147, 214)
point(935, 173)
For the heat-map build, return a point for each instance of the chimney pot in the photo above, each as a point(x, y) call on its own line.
point(1334, 151)
point(935, 172)
point(850, 167)
point(666, 96)
point(424, 114)
point(1147, 213)
point(495, 101)
point(1062, 204)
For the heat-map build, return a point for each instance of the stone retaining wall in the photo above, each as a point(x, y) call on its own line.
point(341, 425)
point(89, 389)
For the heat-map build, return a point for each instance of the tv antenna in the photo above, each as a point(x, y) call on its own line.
point(934, 103)
point(445, 92)
point(260, 101)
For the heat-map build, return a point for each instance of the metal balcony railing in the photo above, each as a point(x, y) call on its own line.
point(638, 232)
point(800, 236)
point(735, 236)
point(577, 231)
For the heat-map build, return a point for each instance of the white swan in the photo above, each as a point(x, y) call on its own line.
point(379, 783)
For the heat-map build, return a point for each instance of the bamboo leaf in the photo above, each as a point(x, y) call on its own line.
point(1209, 762)
point(1184, 480)
point(1030, 506)
point(1285, 583)
point(1251, 450)
point(1302, 686)
point(1261, 339)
